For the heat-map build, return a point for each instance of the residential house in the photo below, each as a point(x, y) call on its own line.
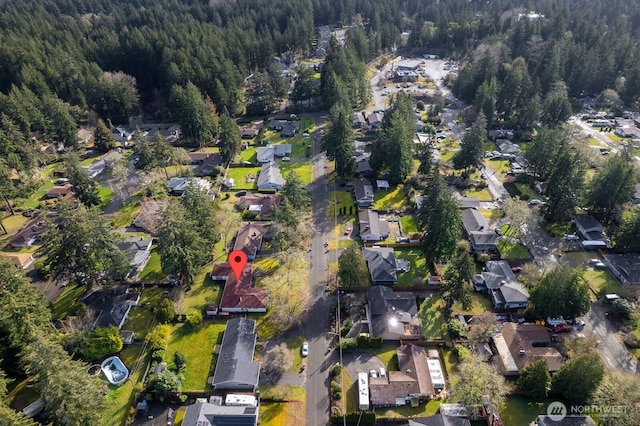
point(394, 390)
point(448, 415)
point(290, 129)
point(625, 267)
point(505, 146)
point(262, 204)
point(413, 361)
point(112, 305)
point(269, 153)
point(122, 135)
point(363, 166)
point(270, 177)
point(60, 192)
point(382, 264)
point(214, 413)
point(99, 165)
point(249, 238)
point(363, 192)
point(358, 120)
point(375, 120)
point(21, 260)
point(480, 235)
point(251, 131)
point(371, 227)
point(466, 202)
point(205, 161)
point(519, 345)
point(28, 235)
point(137, 250)
point(590, 228)
point(239, 295)
point(178, 185)
point(392, 315)
point(499, 283)
point(235, 369)
point(149, 219)
point(500, 134)
point(382, 185)
point(405, 76)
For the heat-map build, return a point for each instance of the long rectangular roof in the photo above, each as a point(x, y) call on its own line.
point(235, 361)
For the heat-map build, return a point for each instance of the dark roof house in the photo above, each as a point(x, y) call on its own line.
point(270, 177)
point(480, 235)
point(262, 204)
point(112, 305)
point(213, 413)
point(363, 191)
point(625, 267)
point(28, 235)
point(149, 217)
point(392, 315)
point(589, 227)
point(502, 286)
point(137, 250)
point(381, 263)
point(235, 369)
point(371, 227)
point(250, 236)
point(239, 296)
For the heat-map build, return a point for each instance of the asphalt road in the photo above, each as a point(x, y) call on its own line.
point(316, 327)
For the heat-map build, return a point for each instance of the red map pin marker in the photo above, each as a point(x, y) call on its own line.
point(237, 261)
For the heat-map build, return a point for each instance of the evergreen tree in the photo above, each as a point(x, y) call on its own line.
point(626, 236)
point(85, 188)
point(194, 114)
point(579, 378)
point(560, 292)
point(338, 140)
point(564, 185)
point(230, 139)
point(103, 138)
point(352, 268)
point(294, 192)
point(472, 146)
point(457, 278)
point(535, 380)
point(612, 187)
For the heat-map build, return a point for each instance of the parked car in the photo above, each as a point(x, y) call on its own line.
point(241, 193)
point(499, 232)
point(305, 134)
point(535, 202)
point(562, 328)
point(286, 159)
point(373, 373)
point(305, 349)
point(383, 372)
point(571, 237)
point(516, 269)
point(348, 230)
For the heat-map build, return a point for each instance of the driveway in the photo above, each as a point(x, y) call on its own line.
point(360, 362)
point(611, 349)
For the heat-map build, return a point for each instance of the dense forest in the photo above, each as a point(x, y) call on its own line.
point(64, 63)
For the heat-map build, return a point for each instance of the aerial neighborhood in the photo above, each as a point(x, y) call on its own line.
point(301, 212)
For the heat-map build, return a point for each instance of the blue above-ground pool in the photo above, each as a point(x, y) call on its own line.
point(114, 370)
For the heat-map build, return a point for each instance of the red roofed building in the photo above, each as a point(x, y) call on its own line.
point(239, 295)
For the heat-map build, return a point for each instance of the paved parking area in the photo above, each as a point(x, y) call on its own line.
point(360, 362)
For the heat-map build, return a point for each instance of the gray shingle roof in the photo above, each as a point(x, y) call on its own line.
point(235, 361)
point(381, 263)
point(206, 414)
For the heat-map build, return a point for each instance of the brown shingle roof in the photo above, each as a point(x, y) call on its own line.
point(149, 216)
point(399, 385)
point(268, 202)
point(412, 360)
point(520, 340)
point(249, 238)
point(240, 294)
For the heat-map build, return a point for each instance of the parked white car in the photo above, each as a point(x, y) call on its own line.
point(305, 349)
point(571, 237)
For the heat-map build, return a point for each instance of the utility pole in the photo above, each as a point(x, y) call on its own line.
point(394, 49)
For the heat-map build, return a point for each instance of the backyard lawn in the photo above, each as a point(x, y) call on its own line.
point(387, 354)
point(295, 346)
point(119, 400)
point(479, 305)
point(432, 316)
point(65, 303)
point(197, 345)
point(390, 200)
point(249, 154)
point(481, 194)
point(282, 413)
point(409, 225)
point(240, 176)
point(492, 214)
point(127, 213)
point(153, 269)
point(304, 169)
point(512, 250)
point(203, 292)
point(418, 271)
point(106, 195)
point(423, 410)
point(36, 198)
point(518, 410)
point(602, 282)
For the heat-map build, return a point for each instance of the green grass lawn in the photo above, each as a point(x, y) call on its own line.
point(522, 190)
point(423, 410)
point(127, 213)
point(307, 125)
point(602, 282)
point(298, 143)
point(349, 392)
point(558, 229)
point(433, 314)
point(304, 169)
point(106, 195)
point(33, 202)
point(197, 346)
point(203, 292)
point(390, 200)
point(519, 410)
point(282, 413)
point(249, 154)
point(13, 224)
point(239, 175)
point(480, 304)
point(344, 199)
point(513, 251)
point(419, 270)
point(62, 307)
point(481, 194)
point(387, 354)
point(295, 346)
point(141, 318)
point(409, 225)
point(153, 269)
point(120, 399)
point(492, 214)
